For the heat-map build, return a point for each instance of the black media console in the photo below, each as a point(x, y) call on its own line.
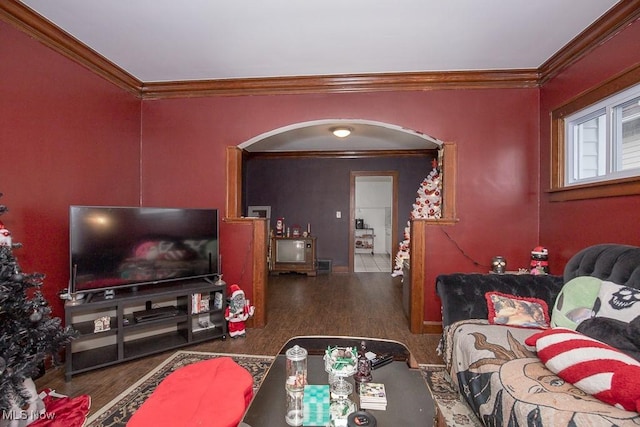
point(138, 323)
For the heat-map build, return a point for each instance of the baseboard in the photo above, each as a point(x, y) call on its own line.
point(431, 327)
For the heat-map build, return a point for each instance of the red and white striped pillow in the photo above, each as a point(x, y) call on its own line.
point(592, 366)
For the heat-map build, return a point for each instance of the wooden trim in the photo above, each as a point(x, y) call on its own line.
point(233, 204)
point(442, 221)
point(34, 25)
point(615, 20)
point(417, 250)
point(364, 154)
point(613, 188)
point(352, 215)
point(417, 244)
point(557, 155)
point(449, 178)
point(611, 86)
point(431, 327)
point(26, 20)
point(345, 83)
point(260, 271)
point(558, 190)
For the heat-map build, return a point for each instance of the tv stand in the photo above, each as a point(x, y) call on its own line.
point(138, 323)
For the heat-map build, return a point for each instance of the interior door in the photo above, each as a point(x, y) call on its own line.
point(374, 199)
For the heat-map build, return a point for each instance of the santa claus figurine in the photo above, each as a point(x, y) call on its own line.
point(237, 312)
point(5, 236)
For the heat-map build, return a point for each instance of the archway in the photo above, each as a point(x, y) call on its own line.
point(234, 197)
point(316, 136)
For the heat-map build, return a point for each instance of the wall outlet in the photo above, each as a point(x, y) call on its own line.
point(338, 214)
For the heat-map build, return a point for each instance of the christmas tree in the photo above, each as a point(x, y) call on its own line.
point(28, 333)
point(428, 205)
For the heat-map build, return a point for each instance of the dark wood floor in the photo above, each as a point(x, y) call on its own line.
point(357, 304)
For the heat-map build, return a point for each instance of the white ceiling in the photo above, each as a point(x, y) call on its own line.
point(169, 40)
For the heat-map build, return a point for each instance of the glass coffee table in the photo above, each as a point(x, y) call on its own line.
point(409, 401)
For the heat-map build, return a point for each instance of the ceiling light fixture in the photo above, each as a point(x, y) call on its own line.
point(341, 132)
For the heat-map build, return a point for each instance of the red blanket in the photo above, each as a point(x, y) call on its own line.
point(213, 393)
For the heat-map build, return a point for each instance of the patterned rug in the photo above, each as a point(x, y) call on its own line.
point(117, 412)
point(447, 399)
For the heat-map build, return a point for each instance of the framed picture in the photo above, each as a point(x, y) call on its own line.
point(259, 211)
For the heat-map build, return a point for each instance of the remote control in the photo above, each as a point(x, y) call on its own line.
point(381, 360)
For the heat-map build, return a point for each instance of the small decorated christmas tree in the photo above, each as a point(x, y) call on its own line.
point(428, 204)
point(28, 333)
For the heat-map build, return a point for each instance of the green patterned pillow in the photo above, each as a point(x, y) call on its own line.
point(575, 302)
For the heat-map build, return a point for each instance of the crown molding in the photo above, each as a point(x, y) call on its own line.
point(615, 20)
point(344, 83)
point(26, 20)
point(34, 25)
point(335, 154)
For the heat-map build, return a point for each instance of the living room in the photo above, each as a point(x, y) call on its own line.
point(72, 136)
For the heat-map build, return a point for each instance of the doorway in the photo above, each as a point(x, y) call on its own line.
point(373, 213)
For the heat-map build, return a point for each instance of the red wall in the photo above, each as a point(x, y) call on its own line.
point(566, 227)
point(67, 137)
point(70, 137)
point(496, 132)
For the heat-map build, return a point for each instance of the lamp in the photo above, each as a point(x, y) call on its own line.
point(341, 132)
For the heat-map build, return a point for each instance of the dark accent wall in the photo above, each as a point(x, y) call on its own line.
point(308, 190)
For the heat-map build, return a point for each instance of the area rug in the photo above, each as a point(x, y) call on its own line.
point(117, 412)
point(449, 404)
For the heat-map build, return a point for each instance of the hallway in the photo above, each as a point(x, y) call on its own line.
point(368, 263)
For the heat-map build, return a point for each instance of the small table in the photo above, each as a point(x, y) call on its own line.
point(409, 401)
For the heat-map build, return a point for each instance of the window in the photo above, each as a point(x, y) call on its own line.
point(603, 141)
point(595, 142)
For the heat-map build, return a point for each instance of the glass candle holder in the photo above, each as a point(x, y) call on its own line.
point(296, 369)
point(294, 414)
point(296, 380)
point(341, 405)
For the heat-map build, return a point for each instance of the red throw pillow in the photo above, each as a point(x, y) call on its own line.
point(512, 310)
point(593, 366)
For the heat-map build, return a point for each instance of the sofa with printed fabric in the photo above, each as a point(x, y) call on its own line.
point(548, 350)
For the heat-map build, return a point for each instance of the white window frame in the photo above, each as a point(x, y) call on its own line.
point(609, 151)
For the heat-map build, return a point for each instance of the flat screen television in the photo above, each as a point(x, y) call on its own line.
point(113, 247)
